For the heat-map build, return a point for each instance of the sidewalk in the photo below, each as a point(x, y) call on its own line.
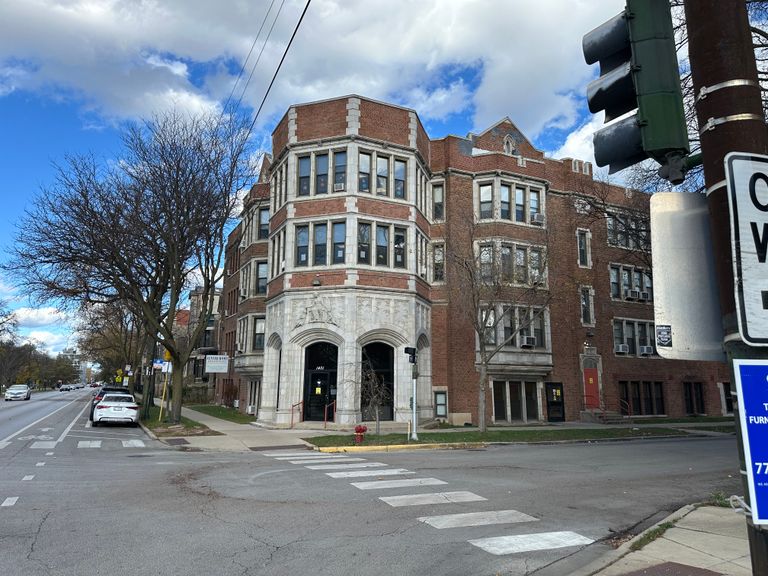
point(704, 541)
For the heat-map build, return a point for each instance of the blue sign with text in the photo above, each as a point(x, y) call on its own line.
point(752, 388)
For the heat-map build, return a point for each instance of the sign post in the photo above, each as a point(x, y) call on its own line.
point(752, 388)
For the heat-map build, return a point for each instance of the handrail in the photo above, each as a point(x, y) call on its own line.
point(325, 416)
point(301, 411)
point(625, 406)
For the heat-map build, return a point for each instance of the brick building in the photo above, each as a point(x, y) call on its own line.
point(347, 252)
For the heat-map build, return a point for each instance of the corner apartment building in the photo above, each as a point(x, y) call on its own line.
point(344, 257)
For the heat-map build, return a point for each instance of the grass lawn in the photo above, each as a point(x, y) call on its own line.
point(187, 427)
point(497, 436)
point(687, 420)
point(223, 412)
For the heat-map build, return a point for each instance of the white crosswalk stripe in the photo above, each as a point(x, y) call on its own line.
point(530, 542)
point(89, 444)
point(362, 473)
point(346, 466)
point(322, 460)
point(386, 484)
point(10, 501)
point(433, 498)
point(314, 457)
point(467, 519)
point(4, 444)
point(133, 443)
point(278, 453)
point(44, 444)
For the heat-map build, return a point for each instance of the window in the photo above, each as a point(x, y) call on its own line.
point(382, 176)
point(363, 243)
point(486, 201)
point(258, 334)
point(302, 245)
point(304, 169)
point(364, 173)
point(507, 267)
point(441, 404)
point(641, 398)
point(339, 171)
point(615, 286)
point(438, 203)
point(489, 317)
point(486, 262)
point(536, 264)
point(521, 265)
point(505, 200)
point(339, 242)
point(263, 223)
point(400, 251)
point(382, 245)
point(399, 179)
point(321, 174)
point(520, 323)
point(321, 244)
point(533, 204)
point(693, 395)
point(582, 241)
point(637, 336)
point(261, 278)
point(438, 263)
point(630, 283)
point(626, 231)
point(519, 204)
point(586, 306)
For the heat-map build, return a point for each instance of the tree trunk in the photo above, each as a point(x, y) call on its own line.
point(481, 398)
point(177, 378)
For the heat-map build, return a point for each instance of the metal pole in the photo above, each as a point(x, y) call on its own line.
point(414, 436)
point(731, 119)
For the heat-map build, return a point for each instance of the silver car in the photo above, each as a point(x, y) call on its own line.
point(18, 392)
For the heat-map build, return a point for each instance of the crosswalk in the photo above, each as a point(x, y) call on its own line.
point(340, 466)
point(84, 444)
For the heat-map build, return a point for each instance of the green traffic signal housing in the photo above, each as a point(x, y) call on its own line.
point(638, 70)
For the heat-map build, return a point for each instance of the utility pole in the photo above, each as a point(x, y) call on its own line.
point(731, 119)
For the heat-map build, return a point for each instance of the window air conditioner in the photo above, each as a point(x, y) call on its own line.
point(633, 295)
point(250, 409)
point(645, 296)
point(621, 349)
point(538, 218)
point(338, 187)
point(528, 342)
point(646, 350)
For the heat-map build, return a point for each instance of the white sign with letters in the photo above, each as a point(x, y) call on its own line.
point(217, 363)
point(747, 179)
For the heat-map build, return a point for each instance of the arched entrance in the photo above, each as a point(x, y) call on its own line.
point(320, 364)
point(377, 382)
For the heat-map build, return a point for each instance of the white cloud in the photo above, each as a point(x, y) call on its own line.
point(34, 317)
point(50, 342)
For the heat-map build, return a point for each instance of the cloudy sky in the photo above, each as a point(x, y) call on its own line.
point(72, 72)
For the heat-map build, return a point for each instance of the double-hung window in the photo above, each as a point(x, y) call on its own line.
point(486, 262)
point(382, 245)
point(438, 203)
point(504, 202)
point(321, 174)
point(400, 248)
point(302, 245)
point(339, 171)
point(382, 175)
point(321, 244)
point(399, 179)
point(438, 263)
point(585, 294)
point(364, 172)
point(261, 278)
point(339, 242)
point(304, 174)
point(582, 241)
point(363, 243)
point(486, 201)
point(519, 204)
point(258, 334)
point(263, 223)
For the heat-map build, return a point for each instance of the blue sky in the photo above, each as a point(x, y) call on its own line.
point(72, 72)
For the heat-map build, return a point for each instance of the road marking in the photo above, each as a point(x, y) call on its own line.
point(133, 443)
point(345, 466)
point(278, 453)
point(321, 460)
point(89, 444)
point(361, 473)
point(45, 429)
point(44, 444)
point(10, 501)
point(435, 498)
point(383, 484)
point(313, 457)
point(36, 422)
point(40, 464)
point(68, 428)
point(27, 477)
point(49, 453)
point(4, 444)
point(476, 519)
point(530, 542)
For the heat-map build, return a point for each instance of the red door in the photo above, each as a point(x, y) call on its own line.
point(591, 389)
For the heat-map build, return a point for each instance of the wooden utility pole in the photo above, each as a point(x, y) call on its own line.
point(731, 119)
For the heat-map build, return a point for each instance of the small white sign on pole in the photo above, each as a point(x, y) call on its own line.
point(747, 179)
point(217, 363)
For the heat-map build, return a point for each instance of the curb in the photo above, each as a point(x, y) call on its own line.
point(400, 447)
point(147, 431)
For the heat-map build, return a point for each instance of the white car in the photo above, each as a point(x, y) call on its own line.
point(116, 408)
point(18, 392)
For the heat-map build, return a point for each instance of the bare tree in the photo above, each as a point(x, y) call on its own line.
point(374, 393)
point(142, 230)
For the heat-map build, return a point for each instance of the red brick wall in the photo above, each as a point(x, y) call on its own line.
point(383, 122)
point(321, 120)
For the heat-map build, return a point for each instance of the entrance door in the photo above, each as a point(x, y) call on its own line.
point(555, 402)
point(318, 397)
point(500, 401)
point(320, 381)
point(591, 389)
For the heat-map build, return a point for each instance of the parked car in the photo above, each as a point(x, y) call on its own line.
point(18, 392)
point(116, 408)
point(99, 394)
point(65, 388)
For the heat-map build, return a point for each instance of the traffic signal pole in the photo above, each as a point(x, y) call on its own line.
point(731, 119)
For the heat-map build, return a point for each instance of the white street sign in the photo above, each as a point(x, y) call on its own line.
point(747, 179)
point(217, 363)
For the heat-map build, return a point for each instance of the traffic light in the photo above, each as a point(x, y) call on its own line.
point(638, 69)
point(411, 354)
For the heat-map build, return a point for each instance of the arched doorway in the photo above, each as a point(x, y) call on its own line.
point(320, 365)
point(377, 382)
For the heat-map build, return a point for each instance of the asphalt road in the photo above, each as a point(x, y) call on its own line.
point(109, 500)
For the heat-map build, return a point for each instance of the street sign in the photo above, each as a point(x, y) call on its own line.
point(752, 388)
point(747, 179)
point(217, 363)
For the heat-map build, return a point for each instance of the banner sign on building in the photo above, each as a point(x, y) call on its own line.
point(752, 388)
point(217, 363)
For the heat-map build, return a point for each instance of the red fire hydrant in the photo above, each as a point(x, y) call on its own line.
point(360, 431)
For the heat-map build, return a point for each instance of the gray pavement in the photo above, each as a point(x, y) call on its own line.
point(702, 541)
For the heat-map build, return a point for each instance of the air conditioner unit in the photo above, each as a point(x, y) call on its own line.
point(338, 187)
point(250, 409)
point(528, 342)
point(621, 349)
point(380, 190)
point(538, 218)
point(646, 350)
point(633, 295)
point(645, 296)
